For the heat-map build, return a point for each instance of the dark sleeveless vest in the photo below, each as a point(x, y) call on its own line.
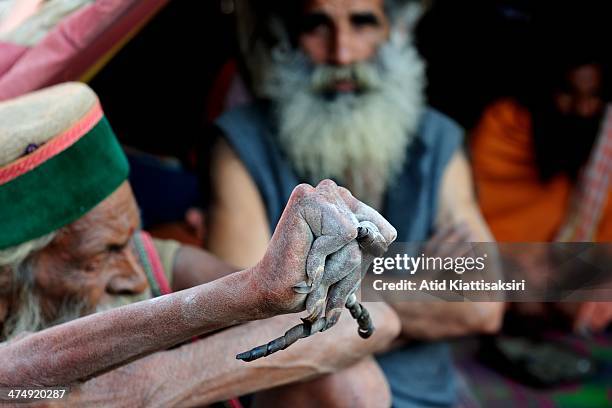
point(422, 373)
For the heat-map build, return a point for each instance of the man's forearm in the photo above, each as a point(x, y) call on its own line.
point(438, 320)
point(207, 371)
point(87, 346)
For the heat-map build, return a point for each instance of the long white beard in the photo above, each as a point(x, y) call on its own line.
point(359, 139)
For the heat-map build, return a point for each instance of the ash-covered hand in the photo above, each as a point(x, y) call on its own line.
point(320, 250)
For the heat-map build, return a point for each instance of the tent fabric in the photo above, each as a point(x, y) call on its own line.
point(76, 48)
point(28, 21)
point(14, 12)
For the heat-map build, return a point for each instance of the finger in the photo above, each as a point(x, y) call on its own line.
point(321, 248)
point(440, 236)
point(361, 314)
point(363, 212)
point(292, 335)
point(449, 241)
point(338, 294)
point(459, 232)
point(455, 250)
point(327, 185)
point(329, 191)
point(337, 266)
point(370, 239)
point(280, 343)
point(315, 301)
point(462, 233)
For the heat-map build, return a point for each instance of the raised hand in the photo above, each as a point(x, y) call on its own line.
point(315, 261)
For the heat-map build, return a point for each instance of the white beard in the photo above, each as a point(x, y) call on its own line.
point(29, 317)
point(359, 139)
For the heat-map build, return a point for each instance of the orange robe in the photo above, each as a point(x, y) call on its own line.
point(517, 206)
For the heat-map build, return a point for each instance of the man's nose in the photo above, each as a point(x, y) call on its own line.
point(130, 277)
point(342, 50)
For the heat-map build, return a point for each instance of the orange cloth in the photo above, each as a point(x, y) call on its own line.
point(517, 206)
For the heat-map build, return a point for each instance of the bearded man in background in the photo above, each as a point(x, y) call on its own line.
point(338, 90)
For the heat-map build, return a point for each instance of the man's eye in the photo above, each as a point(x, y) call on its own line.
point(313, 21)
point(362, 20)
point(115, 248)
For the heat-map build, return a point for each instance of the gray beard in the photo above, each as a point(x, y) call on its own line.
point(29, 317)
point(358, 139)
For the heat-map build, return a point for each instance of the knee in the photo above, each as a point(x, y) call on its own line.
point(360, 385)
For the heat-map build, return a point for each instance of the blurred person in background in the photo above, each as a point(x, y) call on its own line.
point(542, 160)
point(338, 90)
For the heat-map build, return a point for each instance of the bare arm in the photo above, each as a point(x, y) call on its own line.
point(206, 371)
point(439, 320)
point(90, 345)
point(436, 320)
point(458, 201)
point(237, 223)
point(316, 222)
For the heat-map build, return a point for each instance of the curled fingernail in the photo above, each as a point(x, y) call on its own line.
point(334, 316)
point(302, 288)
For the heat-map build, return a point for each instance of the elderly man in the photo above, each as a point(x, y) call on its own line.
point(339, 91)
point(70, 246)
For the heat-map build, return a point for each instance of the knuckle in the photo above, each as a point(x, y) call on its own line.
point(301, 195)
point(327, 184)
point(341, 225)
point(390, 233)
point(345, 192)
point(348, 232)
point(302, 190)
point(354, 254)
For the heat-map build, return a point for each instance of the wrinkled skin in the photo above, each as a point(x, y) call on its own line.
point(318, 222)
point(91, 259)
point(343, 32)
point(98, 263)
point(344, 243)
point(329, 215)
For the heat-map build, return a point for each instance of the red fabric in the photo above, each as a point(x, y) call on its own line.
point(218, 93)
point(73, 46)
point(164, 287)
point(156, 266)
point(9, 55)
point(52, 148)
point(123, 27)
point(517, 206)
point(593, 187)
